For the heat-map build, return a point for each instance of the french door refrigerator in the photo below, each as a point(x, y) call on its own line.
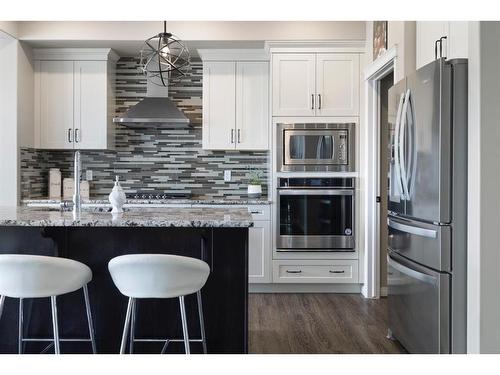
point(427, 203)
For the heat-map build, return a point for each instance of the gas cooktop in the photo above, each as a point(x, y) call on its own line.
point(157, 195)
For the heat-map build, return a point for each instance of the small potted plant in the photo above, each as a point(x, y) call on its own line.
point(254, 189)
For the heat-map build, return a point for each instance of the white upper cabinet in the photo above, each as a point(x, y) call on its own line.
point(90, 112)
point(252, 102)
point(454, 46)
point(294, 84)
point(55, 101)
point(337, 84)
point(235, 103)
point(313, 84)
point(74, 98)
point(219, 105)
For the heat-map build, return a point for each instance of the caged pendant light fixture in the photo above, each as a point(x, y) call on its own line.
point(164, 57)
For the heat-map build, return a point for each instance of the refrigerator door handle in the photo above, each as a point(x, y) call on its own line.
point(397, 163)
point(404, 177)
point(412, 154)
point(423, 232)
point(411, 272)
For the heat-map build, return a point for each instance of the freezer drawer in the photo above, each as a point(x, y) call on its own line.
point(419, 306)
point(427, 244)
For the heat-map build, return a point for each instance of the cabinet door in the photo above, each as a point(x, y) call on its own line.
point(252, 101)
point(259, 252)
point(427, 34)
point(219, 105)
point(294, 85)
point(90, 102)
point(337, 85)
point(55, 104)
point(458, 45)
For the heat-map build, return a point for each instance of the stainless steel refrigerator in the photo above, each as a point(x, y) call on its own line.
point(427, 203)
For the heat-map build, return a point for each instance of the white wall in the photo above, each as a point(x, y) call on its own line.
point(8, 120)
point(484, 183)
point(404, 35)
point(192, 30)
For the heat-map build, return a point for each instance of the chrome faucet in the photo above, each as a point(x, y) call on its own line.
point(77, 200)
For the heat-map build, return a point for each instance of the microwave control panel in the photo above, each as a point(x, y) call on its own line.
point(342, 149)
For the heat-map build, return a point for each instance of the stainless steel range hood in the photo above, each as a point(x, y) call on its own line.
point(155, 110)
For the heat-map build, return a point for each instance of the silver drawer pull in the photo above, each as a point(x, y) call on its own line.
point(256, 212)
point(289, 271)
point(336, 271)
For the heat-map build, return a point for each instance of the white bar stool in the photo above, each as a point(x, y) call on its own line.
point(34, 276)
point(159, 276)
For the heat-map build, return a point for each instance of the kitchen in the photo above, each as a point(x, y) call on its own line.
point(257, 157)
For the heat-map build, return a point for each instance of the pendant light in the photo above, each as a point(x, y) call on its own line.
point(164, 57)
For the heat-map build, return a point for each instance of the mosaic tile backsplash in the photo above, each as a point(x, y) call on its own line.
point(152, 158)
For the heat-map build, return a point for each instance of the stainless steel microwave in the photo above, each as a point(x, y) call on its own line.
point(315, 147)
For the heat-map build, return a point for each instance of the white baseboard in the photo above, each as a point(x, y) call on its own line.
point(383, 291)
point(304, 288)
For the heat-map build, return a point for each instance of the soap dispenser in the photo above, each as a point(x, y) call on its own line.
point(117, 198)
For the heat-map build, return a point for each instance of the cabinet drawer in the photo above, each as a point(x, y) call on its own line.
point(260, 212)
point(315, 271)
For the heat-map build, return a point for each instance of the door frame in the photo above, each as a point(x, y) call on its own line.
point(373, 73)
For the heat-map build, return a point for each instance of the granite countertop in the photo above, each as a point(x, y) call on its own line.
point(223, 217)
point(244, 201)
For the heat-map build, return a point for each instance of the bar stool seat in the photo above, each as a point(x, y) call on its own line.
point(159, 276)
point(35, 276)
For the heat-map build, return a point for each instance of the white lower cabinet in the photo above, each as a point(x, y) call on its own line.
point(315, 271)
point(259, 252)
point(259, 245)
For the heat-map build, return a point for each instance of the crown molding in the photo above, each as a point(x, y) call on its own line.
point(229, 54)
point(81, 54)
point(290, 46)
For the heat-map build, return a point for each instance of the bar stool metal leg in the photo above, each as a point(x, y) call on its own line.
point(184, 324)
point(55, 326)
point(20, 328)
point(2, 302)
point(126, 326)
point(89, 318)
point(202, 322)
point(132, 327)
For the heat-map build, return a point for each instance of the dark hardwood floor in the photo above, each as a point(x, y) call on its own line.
point(318, 323)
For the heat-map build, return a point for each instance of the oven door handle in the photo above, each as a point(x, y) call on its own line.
point(286, 191)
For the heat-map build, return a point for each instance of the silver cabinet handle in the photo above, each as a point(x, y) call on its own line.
point(232, 135)
point(336, 271)
point(239, 135)
point(290, 271)
point(312, 101)
point(319, 101)
point(69, 136)
point(77, 138)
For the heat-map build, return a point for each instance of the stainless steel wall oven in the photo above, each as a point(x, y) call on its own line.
point(315, 214)
point(315, 147)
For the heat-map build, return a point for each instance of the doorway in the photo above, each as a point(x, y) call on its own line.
point(384, 147)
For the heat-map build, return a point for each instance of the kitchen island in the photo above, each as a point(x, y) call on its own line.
point(218, 236)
